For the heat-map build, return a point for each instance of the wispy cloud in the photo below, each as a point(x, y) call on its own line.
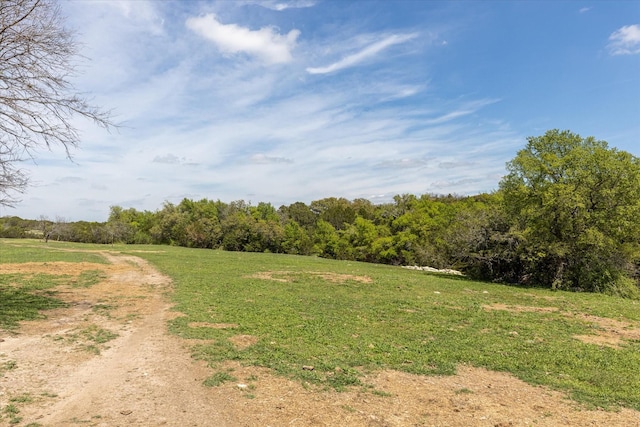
point(262, 159)
point(169, 159)
point(280, 5)
point(584, 9)
point(265, 43)
point(364, 54)
point(625, 40)
point(405, 163)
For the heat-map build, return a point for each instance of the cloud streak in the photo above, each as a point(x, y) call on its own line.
point(284, 5)
point(264, 43)
point(361, 56)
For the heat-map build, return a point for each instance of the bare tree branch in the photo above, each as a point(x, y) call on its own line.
point(37, 99)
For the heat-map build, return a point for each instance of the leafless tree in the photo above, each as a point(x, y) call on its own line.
point(38, 57)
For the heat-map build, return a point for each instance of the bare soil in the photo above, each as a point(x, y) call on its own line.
point(56, 375)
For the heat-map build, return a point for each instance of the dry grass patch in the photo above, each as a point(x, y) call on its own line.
point(213, 325)
point(341, 278)
point(289, 276)
point(243, 341)
point(610, 332)
point(53, 268)
point(520, 308)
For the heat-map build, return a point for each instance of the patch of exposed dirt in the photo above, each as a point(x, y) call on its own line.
point(213, 325)
point(288, 276)
point(341, 278)
point(243, 341)
point(520, 308)
point(607, 332)
point(146, 377)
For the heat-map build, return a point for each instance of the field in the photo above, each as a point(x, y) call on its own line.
point(354, 340)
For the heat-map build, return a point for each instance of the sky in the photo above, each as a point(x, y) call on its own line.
point(293, 101)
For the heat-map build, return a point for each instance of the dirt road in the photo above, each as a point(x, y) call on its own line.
point(107, 360)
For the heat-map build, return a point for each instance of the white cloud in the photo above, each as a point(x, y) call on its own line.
point(169, 159)
point(264, 43)
point(364, 54)
point(142, 13)
point(283, 5)
point(585, 9)
point(262, 159)
point(625, 40)
point(405, 163)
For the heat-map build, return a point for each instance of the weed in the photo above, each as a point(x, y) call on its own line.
point(98, 335)
point(218, 379)
point(89, 339)
point(23, 398)
point(8, 366)
point(48, 394)
point(103, 309)
point(11, 409)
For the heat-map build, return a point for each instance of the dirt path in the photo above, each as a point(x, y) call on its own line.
point(64, 371)
point(143, 377)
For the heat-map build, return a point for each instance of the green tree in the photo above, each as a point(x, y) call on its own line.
point(574, 205)
point(300, 213)
point(325, 240)
point(296, 240)
point(337, 212)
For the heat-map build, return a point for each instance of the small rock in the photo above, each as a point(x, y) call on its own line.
point(307, 368)
point(126, 412)
point(242, 386)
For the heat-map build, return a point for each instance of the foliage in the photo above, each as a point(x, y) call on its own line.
point(574, 205)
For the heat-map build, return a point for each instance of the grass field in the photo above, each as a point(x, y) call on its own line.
point(345, 319)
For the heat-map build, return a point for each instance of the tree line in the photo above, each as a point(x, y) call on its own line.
point(565, 217)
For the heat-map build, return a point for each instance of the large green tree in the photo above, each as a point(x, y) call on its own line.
point(574, 206)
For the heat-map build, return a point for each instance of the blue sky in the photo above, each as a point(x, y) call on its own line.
point(284, 101)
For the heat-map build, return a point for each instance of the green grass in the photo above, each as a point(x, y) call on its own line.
point(30, 250)
point(91, 338)
point(26, 296)
point(403, 320)
point(88, 278)
point(219, 378)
